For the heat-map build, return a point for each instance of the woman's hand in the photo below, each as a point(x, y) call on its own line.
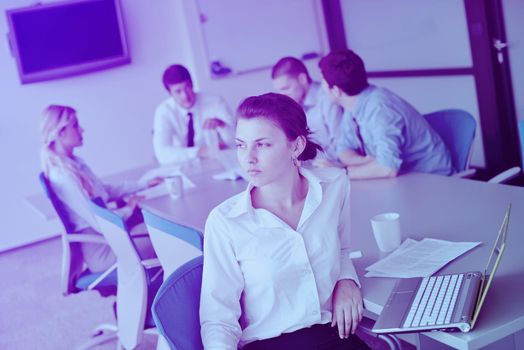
point(155, 181)
point(347, 307)
point(133, 200)
point(213, 123)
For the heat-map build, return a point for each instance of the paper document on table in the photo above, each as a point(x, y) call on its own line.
point(418, 258)
point(161, 189)
point(163, 171)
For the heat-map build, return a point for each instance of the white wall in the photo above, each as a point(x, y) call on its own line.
point(114, 106)
point(432, 34)
point(235, 87)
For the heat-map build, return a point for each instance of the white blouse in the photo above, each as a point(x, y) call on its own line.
point(261, 277)
point(76, 201)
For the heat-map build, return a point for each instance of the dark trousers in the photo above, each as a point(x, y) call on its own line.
point(317, 337)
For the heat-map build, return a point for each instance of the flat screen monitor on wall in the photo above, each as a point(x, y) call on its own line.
point(61, 39)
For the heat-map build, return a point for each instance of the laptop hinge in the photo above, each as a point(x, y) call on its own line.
point(468, 298)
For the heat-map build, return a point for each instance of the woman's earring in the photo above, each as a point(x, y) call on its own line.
point(295, 161)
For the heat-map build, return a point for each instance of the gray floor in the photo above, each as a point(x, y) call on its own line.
point(34, 314)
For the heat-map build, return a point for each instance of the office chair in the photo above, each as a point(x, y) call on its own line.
point(457, 129)
point(138, 279)
point(177, 303)
point(75, 277)
point(513, 172)
point(506, 175)
point(174, 244)
point(176, 306)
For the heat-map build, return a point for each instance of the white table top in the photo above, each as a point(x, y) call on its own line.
point(457, 210)
point(430, 206)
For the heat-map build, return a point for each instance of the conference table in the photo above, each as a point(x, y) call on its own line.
point(432, 206)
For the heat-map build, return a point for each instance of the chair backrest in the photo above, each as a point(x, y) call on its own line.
point(72, 259)
point(132, 289)
point(176, 307)
point(174, 244)
point(56, 203)
point(457, 129)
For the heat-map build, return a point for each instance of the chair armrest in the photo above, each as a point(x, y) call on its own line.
point(101, 277)
point(85, 238)
point(139, 235)
point(468, 173)
point(505, 176)
point(151, 263)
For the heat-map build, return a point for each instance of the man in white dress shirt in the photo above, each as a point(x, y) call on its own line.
point(189, 124)
point(291, 78)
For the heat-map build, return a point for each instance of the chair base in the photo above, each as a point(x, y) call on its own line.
point(101, 334)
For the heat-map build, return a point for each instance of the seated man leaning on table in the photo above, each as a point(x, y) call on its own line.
point(382, 134)
point(291, 78)
point(189, 124)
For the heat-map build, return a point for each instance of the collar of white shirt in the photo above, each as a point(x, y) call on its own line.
point(313, 198)
point(182, 111)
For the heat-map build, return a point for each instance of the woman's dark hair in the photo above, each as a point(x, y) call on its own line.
point(285, 113)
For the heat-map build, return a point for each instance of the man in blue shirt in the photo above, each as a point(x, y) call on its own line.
point(382, 135)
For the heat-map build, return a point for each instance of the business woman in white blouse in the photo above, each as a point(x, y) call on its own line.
point(277, 273)
point(75, 184)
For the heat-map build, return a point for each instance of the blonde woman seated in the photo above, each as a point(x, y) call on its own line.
point(75, 184)
point(277, 273)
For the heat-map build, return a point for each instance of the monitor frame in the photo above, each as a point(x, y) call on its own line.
point(71, 70)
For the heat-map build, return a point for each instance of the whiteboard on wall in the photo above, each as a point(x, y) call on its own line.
point(432, 34)
point(246, 35)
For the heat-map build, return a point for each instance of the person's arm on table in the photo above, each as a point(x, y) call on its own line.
point(221, 119)
point(370, 170)
point(351, 157)
point(347, 299)
point(388, 138)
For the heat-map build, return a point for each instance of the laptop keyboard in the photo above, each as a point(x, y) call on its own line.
point(435, 301)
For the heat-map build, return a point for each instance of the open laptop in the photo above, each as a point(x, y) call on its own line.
point(441, 302)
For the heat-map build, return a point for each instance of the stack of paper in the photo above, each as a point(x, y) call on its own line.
point(418, 258)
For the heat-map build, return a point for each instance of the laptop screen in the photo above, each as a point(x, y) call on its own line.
point(493, 263)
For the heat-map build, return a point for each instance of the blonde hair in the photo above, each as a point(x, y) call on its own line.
point(54, 119)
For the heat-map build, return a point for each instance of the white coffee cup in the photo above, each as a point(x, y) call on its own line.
point(386, 228)
point(175, 186)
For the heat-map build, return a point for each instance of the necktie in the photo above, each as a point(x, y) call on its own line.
point(362, 149)
point(190, 131)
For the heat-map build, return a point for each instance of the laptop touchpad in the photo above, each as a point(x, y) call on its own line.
point(399, 306)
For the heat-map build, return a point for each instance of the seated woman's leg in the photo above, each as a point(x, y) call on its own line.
point(98, 257)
